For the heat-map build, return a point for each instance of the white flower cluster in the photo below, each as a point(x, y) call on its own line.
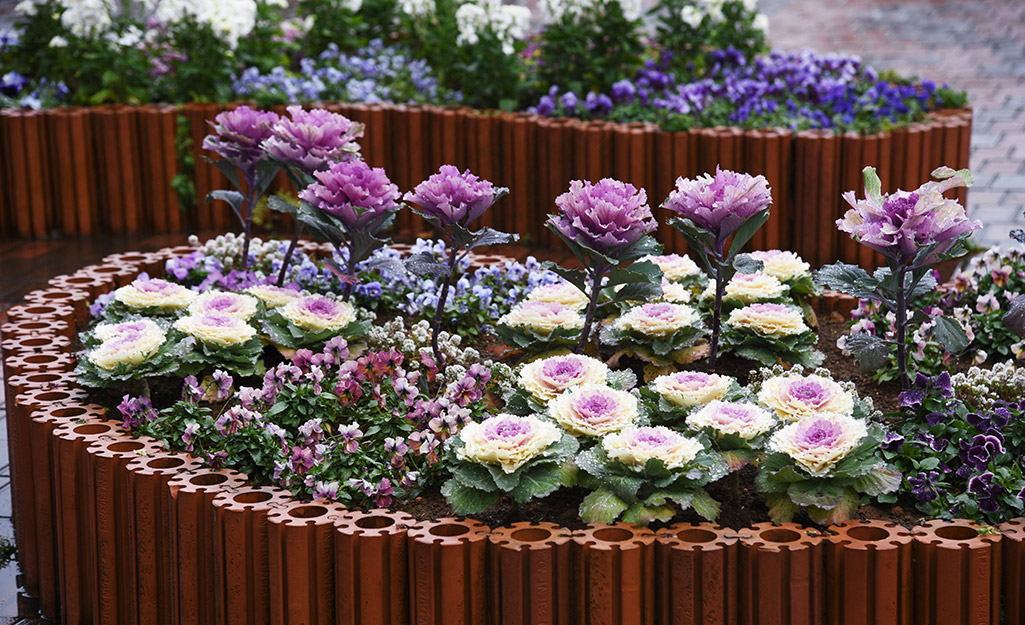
point(1004, 381)
point(557, 10)
point(417, 9)
point(508, 22)
point(693, 14)
point(231, 19)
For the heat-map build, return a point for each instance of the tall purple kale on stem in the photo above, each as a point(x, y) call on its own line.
point(306, 142)
point(913, 230)
point(605, 224)
point(450, 201)
point(714, 210)
point(358, 201)
point(238, 139)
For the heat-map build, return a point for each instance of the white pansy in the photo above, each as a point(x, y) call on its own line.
point(691, 15)
point(761, 22)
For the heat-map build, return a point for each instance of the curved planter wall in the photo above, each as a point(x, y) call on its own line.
point(50, 181)
point(113, 529)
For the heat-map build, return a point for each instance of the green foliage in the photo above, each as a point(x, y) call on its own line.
point(691, 40)
point(589, 51)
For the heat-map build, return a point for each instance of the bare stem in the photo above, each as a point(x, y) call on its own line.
point(439, 313)
point(592, 307)
point(288, 254)
point(720, 288)
point(901, 323)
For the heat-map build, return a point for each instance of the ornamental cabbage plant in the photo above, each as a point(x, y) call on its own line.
point(451, 201)
point(521, 456)
point(605, 225)
point(641, 474)
point(823, 464)
point(914, 230)
point(728, 207)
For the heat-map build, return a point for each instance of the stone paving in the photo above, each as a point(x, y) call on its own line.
point(974, 45)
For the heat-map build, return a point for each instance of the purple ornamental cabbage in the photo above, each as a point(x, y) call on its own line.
point(354, 193)
point(607, 217)
point(240, 134)
point(720, 204)
point(900, 224)
point(454, 198)
point(313, 140)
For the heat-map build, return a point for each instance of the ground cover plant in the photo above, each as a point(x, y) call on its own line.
point(595, 388)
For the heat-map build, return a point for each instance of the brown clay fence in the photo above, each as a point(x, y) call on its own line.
point(114, 529)
point(79, 171)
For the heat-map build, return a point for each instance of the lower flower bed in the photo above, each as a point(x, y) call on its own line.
point(111, 528)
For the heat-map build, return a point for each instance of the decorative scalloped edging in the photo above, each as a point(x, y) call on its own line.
point(114, 529)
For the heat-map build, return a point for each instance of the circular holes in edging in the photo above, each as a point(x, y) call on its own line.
point(613, 535)
point(449, 529)
point(531, 535)
point(253, 496)
point(867, 533)
point(307, 512)
point(89, 429)
point(780, 535)
point(956, 532)
point(374, 522)
point(165, 463)
point(208, 479)
point(696, 535)
point(122, 447)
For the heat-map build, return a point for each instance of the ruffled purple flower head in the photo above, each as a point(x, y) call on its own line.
point(313, 140)
point(454, 198)
point(240, 134)
point(900, 224)
point(719, 204)
point(359, 196)
point(607, 217)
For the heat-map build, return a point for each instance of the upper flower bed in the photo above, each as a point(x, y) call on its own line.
point(705, 66)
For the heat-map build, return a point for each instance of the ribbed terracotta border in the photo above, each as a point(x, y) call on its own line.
point(534, 156)
point(112, 528)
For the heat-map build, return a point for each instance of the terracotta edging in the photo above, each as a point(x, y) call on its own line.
point(869, 564)
point(696, 572)
point(1013, 560)
point(614, 574)
point(781, 575)
point(531, 574)
point(371, 571)
point(448, 572)
point(957, 572)
point(301, 537)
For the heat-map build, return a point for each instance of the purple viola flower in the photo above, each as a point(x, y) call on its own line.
point(983, 449)
point(136, 411)
point(986, 491)
point(327, 491)
point(607, 217)
point(454, 198)
point(240, 134)
point(719, 204)
point(899, 225)
point(357, 195)
point(189, 435)
point(923, 486)
point(350, 435)
point(313, 140)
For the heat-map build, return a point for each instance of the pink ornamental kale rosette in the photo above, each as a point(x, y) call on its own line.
point(450, 199)
point(737, 429)
point(607, 217)
point(308, 321)
point(545, 379)
point(133, 349)
point(519, 455)
point(823, 464)
point(770, 333)
point(657, 332)
point(211, 340)
point(640, 474)
point(794, 397)
point(150, 297)
point(314, 140)
point(537, 326)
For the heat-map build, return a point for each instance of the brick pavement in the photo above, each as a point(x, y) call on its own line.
point(974, 45)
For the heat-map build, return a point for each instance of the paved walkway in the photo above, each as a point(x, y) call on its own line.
point(974, 45)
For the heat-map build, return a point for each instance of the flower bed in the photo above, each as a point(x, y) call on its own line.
point(357, 567)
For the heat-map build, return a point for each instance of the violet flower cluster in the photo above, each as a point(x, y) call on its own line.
point(374, 73)
point(960, 458)
point(794, 90)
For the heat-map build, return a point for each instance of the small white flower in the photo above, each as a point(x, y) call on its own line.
point(691, 15)
point(761, 22)
point(58, 42)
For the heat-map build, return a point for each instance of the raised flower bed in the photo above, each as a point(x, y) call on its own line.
point(181, 522)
